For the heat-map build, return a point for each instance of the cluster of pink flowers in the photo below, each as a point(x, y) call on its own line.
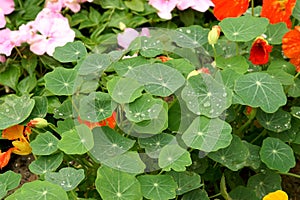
point(165, 7)
point(49, 30)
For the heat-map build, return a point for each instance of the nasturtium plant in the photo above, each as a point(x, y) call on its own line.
point(142, 99)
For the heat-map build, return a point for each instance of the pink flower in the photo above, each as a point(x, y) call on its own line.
point(6, 44)
point(164, 7)
point(54, 5)
point(57, 5)
point(53, 30)
point(2, 59)
point(6, 7)
point(129, 34)
point(201, 5)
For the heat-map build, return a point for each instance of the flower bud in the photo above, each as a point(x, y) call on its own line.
point(193, 73)
point(214, 34)
point(38, 123)
point(122, 26)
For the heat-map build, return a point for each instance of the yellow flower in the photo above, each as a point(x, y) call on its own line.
point(277, 195)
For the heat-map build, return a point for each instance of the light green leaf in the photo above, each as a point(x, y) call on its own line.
point(26, 85)
point(96, 106)
point(182, 65)
point(136, 5)
point(294, 90)
point(277, 122)
point(44, 144)
point(157, 187)
point(68, 178)
point(205, 96)
point(64, 111)
point(60, 81)
point(14, 110)
point(116, 185)
point(244, 28)
point(40, 108)
point(172, 156)
point(277, 155)
point(108, 144)
point(44, 164)
point(253, 159)
point(229, 77)
point(234, 156)
point(10, 77)
point(282, 65)
point(124, 90)
point(125, 65)
point(70, 52)
point(149, 46)
point(10, 180)
point(275, 32)
point(260, 90)
point(296, 10)
point(76, 141)
point(284, 77)
point(158, 79)
point(94, 64)
point(235, 63)
point(208, 134)
point(186, 181)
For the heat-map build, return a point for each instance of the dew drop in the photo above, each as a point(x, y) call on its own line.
point(206, 104)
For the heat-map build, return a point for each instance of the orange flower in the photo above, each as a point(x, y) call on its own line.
point(164, 58)
point(277, 195)
point(4, 157)
point(278, 10)
point(110, 121)
point(225, 8)
point(291, 46)
point(259, 53)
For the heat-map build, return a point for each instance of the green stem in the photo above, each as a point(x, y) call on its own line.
point(289, 174)
point(296, 76)
point(215, 52)
point(264, 132)
point(214, 196)
point(237, 48)
point(252, 7)
point(73, 194)
point(240, 131)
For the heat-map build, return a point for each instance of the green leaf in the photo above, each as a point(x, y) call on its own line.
point(154, 144)
point(136, 5)
point(108, 144)
point(109, 4)
point(253, 159)
point(244, 28)
point(277, 155)
point(182, 65)
point(275, 32)
point(40, 108)
point(172, 156)
point(205, 96)
point(260, 90)
point(60, 81)
point(39, 190)
point(158, 79)
point(264, 183)
point(282, 65)
point(29, 64)
point(64, 111)
point(76, 141)
point(44, 144)
point(223, 188)
point(124, 90)
point(284, 77)
point(208, 134)
point(229, 77)
point(117, 185)
point(96, 106)
point(234, 156)
point(196, 194)
point(294, 90)
point(14, 110)
point(10, 180)
point(3, 191)
point(68, 178)
point(186, 181)
point(129, 162)
point(26, 85)
point(125, 65)
point(296, 10)
point(235, 63)
point(44, 164)
point(10, 76)
point(295, 111)
point(277, 122)
point(158, 187)
point(70, 52)
point(94, 64)
point(149, 46)
point(291, 135)
point(144, 108)
point(242, 193)
point(190, 37)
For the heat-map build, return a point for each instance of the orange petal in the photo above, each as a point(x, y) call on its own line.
point(291, 43)
point(21, 147)
point(225, 8)
point(4, 157)
point(259, 53)
point(277, 195)
point(13, 133)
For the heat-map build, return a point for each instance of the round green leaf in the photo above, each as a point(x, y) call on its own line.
point(150, 47)
point(60, 81)
point(253, 159)
point(205, 96)
point(174, 157)
point(186, 181)
point(277, 155)
point(196, 194)
point(208, 134)
point(108, 144)
point(244, 28)
point(124, 90)
point(117, 185)
point(236, 63)
point(158, 187)
point(234, 156)
point(295, 111)
point(281, 75)
point(68, 178)
point(44, 164)
point(64, 111)
point(294, 90)
point(14, 110)
point(10, 180)
point(158, 79)
point(76, 141)
point(94, 63)
point(44, 144)
point(182, 65)
point(70, 52)
point(264, 183)
point(3, 190)
point(144, 108)
point(260, 90)
point(190, 37)
point(125, 65)
point(275, 32)
point(242, 193)
point(96, 106)
point(10, 76)
point(277, 122)
point(40, 108)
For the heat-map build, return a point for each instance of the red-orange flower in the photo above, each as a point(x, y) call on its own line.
point(4, 157)
point(259, 53)
point(110, 121)
point(291, 46)
point(278, 11)
point(164, 58)
point(225, 8)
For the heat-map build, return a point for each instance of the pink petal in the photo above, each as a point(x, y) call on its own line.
point(164, 7)
point(125, 38)
point(8, 6)
point(2, 19)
